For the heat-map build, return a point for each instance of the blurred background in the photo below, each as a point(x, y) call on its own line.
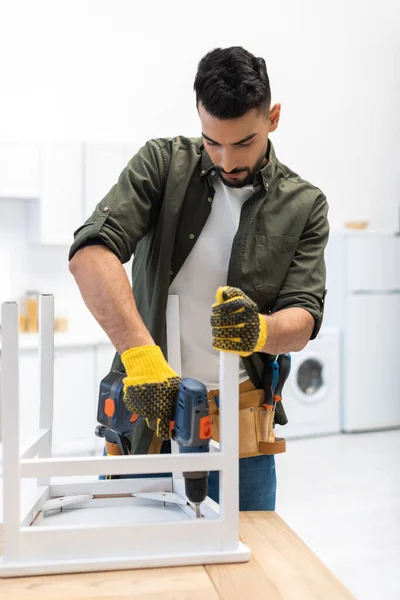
point(85, 83)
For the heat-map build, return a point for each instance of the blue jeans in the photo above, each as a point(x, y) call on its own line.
point(257, 481)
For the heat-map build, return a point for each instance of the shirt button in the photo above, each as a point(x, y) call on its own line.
point(267, 185)
point(210, 199)
point(203, 172)
point(106, 209)
point(191, 236)
point(213, 172)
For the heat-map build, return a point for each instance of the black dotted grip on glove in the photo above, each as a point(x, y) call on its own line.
point(235, 322)
point(154, 402)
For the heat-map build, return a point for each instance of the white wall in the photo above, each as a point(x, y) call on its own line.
point(123, 71)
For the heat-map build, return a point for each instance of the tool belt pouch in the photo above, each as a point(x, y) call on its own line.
point(256, 433)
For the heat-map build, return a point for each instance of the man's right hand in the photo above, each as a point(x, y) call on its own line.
point(150, 387)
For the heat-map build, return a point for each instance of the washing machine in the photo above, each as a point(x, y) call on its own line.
point(311, 395)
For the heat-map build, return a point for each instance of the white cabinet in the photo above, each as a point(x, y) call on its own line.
point(19, 170)
point(59, 209)
point(103, 164)
point(75, 394)
point(373, 263)
point(64, 181)
point(364, 302)
point(28, 394)
point(77, 375)
point(372, 358)
point(78, 371)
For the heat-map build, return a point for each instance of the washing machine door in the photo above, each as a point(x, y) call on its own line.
point(310, 379)
point(311, 396)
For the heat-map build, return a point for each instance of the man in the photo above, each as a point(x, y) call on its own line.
point(200, 215)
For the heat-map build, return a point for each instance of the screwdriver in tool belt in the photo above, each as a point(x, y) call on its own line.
point(271, 376)
point(274, 379)
point(284, 362)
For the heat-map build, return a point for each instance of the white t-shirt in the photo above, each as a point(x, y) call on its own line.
point(205, 269)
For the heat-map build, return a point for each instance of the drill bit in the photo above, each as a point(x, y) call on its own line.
point(198, 512)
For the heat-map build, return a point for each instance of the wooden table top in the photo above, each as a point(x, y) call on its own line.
point(281, 567)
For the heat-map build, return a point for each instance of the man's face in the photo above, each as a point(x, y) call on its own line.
point(237, 147)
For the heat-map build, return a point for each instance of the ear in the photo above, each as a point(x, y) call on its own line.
point(274, 115)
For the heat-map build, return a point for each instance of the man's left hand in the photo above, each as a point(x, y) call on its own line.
point(236, 323)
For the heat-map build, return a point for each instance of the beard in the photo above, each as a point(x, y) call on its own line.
point(248, 180)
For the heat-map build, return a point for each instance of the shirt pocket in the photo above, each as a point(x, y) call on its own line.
point(273, 257)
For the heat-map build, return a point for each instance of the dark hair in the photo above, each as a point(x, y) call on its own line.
point(231, 81)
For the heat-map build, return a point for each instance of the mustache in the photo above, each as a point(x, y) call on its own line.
point(234, 171)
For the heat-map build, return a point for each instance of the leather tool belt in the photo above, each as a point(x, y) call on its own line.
point(256, 423)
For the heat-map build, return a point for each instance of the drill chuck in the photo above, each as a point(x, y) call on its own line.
point(196, 489)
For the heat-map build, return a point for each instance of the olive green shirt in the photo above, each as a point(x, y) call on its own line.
point(157, 211)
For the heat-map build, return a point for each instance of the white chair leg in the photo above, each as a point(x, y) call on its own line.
point(46, 366)
point(229, 445)
point(10, 431)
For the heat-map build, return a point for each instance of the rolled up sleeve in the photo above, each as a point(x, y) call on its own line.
point(129, 210)
point(304, 285)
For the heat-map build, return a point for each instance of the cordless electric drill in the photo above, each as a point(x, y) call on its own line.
point(192, 430)
point(190, 427)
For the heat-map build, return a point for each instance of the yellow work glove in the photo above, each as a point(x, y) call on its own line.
point(236, 323)
point(150, 387)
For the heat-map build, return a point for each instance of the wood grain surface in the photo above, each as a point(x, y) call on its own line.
point(281, 567)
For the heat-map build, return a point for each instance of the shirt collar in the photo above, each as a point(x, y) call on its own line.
point(265, 175)
point(206, 164)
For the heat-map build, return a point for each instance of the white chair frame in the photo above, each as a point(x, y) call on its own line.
point(30, 547)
